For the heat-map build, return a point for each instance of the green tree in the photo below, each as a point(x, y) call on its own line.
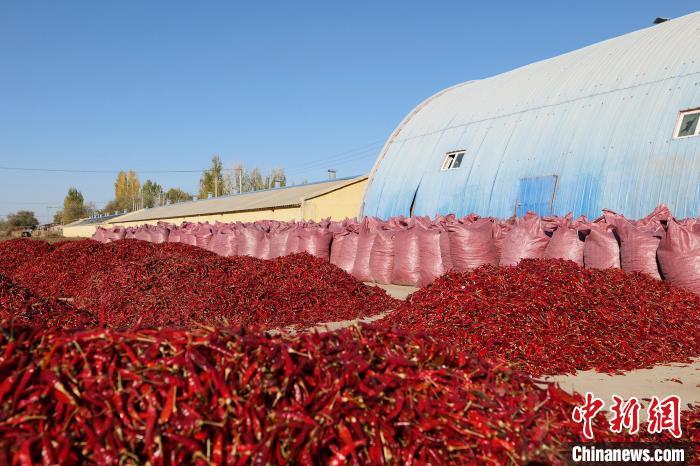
point(74, 207)
point(212, 180)
point(22, 219)
point(152, 194)
point(177, 195)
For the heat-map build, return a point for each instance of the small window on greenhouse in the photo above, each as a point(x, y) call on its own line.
point(688, 124)
point(453, 160)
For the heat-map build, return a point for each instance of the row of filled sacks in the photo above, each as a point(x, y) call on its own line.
point(263, 239)
point(414, 251)
point(152, 233)
point(270, 240)
point(417, 250)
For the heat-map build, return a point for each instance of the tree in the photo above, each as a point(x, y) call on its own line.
point(212, 180)
point(121, 191)
point(278, 178)
point(252, 180)
point(74, 208)
point(152, 194)
point(127, 191)
point(177, 195)
point(133, 187)
point(256, 181)
point(22, 219)
point(238, 180)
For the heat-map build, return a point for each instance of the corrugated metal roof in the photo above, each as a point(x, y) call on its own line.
point(92, 220)
point(290, 196)
point(598, 121)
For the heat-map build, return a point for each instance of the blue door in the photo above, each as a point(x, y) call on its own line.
point(536, 194)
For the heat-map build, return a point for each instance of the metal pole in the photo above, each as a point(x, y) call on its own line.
point(240, 180)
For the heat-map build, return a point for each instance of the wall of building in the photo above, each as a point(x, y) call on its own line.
point(336, 205)
point(80, 231)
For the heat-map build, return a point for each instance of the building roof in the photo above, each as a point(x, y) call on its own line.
point(589, 129)
point(289, 196)
point(92, 220)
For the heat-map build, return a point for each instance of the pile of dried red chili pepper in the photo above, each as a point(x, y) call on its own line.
point(134, 283)
point(21, 306)
point(553, 317)
point(379, 394)
point(233, 396)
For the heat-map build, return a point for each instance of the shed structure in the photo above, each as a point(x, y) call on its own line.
point(335, 199)
point(611, 125)
point(86, 227)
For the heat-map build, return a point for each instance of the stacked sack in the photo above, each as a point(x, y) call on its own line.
point(415, 251)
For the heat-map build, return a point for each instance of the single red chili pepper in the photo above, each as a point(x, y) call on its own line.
point(169, 407)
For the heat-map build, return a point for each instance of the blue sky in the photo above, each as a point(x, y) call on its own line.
point(307, 85)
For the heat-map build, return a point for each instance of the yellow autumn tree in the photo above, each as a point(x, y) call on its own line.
point(133, 187)
point(127, 191)
point(121, 190)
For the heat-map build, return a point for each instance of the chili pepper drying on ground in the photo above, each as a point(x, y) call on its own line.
point(553, 316)
point(135, 283)
point(23, 307)
point(454, 407)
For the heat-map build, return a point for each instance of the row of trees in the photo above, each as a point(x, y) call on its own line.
point(218, 181)
point(20, 219)
point(130, 194)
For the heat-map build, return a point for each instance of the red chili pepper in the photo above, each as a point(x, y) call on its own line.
point(372, 394)
point(169, 407)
